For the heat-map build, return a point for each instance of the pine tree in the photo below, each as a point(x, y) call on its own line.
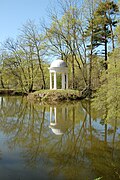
point(102, 25)
point(105, 21)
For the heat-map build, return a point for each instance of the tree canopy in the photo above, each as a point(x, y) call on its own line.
point(82, 34)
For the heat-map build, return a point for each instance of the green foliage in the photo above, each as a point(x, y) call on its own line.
point(118, 33)
point(108, 96)
point(75, 37)
point(102, 22)
point(114, 87)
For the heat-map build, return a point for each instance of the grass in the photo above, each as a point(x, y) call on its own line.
point(55, 95)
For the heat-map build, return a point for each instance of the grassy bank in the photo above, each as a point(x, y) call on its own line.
point(49, 96)
point(55, 95)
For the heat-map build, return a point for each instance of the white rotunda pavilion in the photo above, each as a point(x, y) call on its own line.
point(59, 66)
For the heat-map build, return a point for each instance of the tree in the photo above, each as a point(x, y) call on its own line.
point(108, 95)
point(90, 33)
point(66, 39)
point(104, 23)
point(118, 34)
point(1, 71)
point(19, 63)
point(31, 36)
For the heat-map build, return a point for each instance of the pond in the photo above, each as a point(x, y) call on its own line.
point(62, 141)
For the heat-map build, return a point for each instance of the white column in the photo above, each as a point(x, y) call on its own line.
point(55, 81)
point(50, 115)
point(63, 113)
point(66, 80)
point(50, 80)
point(63, 81)
point(55, 113)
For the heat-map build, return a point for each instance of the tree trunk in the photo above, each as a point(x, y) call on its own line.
point(2, 83)
point(105, 64)
point(73, 73)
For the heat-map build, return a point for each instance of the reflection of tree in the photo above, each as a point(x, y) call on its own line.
point(25, 129)
point(12, 115)
point(1, 102)
point(70, 147)
point(34, 145)
point(76, 155)
point(0, 154)
point(102, 152)
point(21, 123)
point(79, 152)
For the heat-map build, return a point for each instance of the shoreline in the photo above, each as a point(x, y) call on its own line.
point(54, 96)
point(10, 92)
point(50, 96)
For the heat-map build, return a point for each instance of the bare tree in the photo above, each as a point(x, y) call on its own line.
point(31, 36)
point(66, 38)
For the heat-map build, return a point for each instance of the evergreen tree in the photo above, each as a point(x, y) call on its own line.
point(101, 27)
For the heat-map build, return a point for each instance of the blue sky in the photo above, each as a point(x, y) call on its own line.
point(15, 13)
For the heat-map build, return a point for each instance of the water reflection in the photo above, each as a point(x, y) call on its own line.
point(59, 121)
point(66, 141)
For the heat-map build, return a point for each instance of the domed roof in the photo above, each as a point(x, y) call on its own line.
point(56, 131)
point(58, 63)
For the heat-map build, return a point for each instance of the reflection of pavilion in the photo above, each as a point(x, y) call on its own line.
point(58, 120)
